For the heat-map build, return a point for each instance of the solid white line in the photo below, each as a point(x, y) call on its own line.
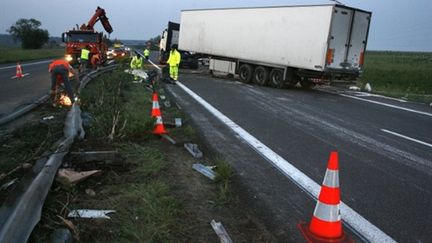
point(355, 220)
point(406, 137)
point(388, 105)
point(26, 64)
point(24, 74)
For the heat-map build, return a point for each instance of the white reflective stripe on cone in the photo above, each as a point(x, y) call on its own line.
point(156, 105)
point(327, 212)
point(331, 178)
point(159, 120)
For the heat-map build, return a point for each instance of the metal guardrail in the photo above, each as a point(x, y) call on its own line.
point(17, 224)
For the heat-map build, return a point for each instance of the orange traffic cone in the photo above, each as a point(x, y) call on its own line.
point(19, 73)
point(326, 224)
point(159, 127)
point(156, 108)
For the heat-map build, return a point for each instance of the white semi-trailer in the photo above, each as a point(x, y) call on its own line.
point(280, 45)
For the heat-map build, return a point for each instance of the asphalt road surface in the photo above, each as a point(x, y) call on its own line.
point(384, 145)
point(21, 91)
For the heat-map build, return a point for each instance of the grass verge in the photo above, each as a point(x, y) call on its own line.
point(399, 74)
point(11, 55)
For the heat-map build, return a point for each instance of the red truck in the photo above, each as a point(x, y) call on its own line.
point(83, 36)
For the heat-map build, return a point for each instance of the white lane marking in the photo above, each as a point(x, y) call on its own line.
point(363, 94)
point(24, 74)
point(388, 105)
point(355, 220)
point(26, 64)
point(406, 137)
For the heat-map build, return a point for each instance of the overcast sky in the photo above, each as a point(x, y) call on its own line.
point(396, 24)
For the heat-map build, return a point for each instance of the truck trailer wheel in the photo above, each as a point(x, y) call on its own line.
point(261, 75)
point(276, 78)
point(245, 73)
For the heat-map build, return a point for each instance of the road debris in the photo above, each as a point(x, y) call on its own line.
point(167, 104)
point(70, 177)
point(170, 139)
point(221, 232)
point(8, 184)
point(194, 150)
point(90, 214)
point(368, 87)
point(48, 118)
point(90, 192)
point(205, 170)
point(354, 88)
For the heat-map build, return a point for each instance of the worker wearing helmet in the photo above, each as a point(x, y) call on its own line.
point(61, 68)
point(136, 63)
point(146, 53)
point(174, 62)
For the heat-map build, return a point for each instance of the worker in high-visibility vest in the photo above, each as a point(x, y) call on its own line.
point(84, 58)
point(174, 62)
point(136, 63)
point(59, 70)
point(146, 53)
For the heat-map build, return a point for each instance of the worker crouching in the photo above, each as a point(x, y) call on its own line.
point(174, 62)
point(59, 70)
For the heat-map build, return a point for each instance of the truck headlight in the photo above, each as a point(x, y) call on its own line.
point(68, 58)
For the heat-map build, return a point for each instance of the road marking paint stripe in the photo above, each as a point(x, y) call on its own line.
point(352, 218)
point(406, 137)
point(26, 64)
point(388, 105)
point(24, 74)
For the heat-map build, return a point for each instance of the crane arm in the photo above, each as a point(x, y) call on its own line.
point(100, 15)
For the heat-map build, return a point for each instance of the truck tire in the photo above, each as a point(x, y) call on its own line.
point(260, 75)
point(276, 78)
point(245, 73)
point(306, 83)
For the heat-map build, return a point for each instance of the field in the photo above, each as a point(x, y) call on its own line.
point(399, 74)
point(14, 54)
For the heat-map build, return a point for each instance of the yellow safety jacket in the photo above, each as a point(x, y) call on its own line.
point(85, 54)
point(146, 52)
point(136, 62)
point(174, 58)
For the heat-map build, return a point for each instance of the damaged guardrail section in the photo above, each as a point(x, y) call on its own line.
point(26, 212)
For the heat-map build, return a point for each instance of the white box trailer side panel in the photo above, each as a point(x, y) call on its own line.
point(281, 36)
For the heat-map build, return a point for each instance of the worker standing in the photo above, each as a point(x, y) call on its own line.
point(174, 62)
point(85, 53)
point(146, 53)
point(136, 63)
point(61, 68)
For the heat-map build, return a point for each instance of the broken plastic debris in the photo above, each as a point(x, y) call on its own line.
point(178, 122)
point(69, 177)
point(170, 139)
point(221, 232)
point(8, 184)
point(167, 104)
point(355, 88)
point(48, 118)
point(193, 149)
point(90, 214)
point(368, 87)
point(162, 97)
point(205, 170)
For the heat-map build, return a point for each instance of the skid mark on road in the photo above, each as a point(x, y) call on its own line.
point(352, 218)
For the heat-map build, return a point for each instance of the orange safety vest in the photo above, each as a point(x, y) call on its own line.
point(58, 62)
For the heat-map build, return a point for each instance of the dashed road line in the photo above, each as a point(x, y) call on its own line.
point(388, 105)
point(407, 138)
